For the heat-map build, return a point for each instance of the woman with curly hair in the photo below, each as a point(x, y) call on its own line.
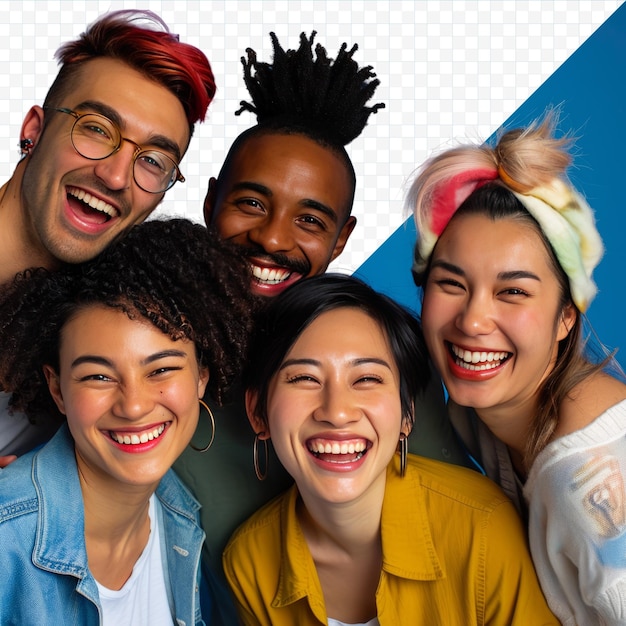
point(505, 255)
point(95, 527)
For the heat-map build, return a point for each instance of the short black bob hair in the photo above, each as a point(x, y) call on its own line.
point(290, 313)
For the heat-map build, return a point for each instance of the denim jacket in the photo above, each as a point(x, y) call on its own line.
point(43, 559)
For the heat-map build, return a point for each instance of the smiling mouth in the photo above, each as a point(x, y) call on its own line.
point(92, 204)
point(337, 451)
point(270, 276)
point(477, 361)
point(136, 439)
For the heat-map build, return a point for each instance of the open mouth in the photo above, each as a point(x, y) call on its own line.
point(477, 361)
point(270, 276)
point(134, 439)
point(338, 451)
point(90, 206)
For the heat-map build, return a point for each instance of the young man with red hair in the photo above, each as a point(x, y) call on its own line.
point(99, 155)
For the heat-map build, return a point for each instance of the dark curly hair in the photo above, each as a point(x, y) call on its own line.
point(317, 98)
point(300, 91)
point(174, 273)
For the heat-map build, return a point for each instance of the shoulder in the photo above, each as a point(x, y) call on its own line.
point(456, 485)
point(174, 496)
point(589, 399)
point(16, 486)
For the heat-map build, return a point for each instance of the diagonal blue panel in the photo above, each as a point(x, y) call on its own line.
point(590, 90)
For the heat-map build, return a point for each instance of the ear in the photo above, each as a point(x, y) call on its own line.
point(566, 321)
point(258, 425)
point(54, 386)
point(344, 235)
point(32, 126)
point(203, 380)
point(407, 423)
point(209, 201)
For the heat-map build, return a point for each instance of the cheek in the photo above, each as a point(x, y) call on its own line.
point(231, 224)
point(180, 396)
point(529, 327)
point(435, 312)
point(85, 409)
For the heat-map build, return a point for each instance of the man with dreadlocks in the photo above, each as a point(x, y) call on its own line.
point(285, 191)
point(284, 195)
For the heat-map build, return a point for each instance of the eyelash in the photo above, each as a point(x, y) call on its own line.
point(299, 378)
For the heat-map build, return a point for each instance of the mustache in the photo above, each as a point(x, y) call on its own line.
point(299, 266)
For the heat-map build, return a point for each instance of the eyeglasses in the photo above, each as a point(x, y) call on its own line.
point(96, 137)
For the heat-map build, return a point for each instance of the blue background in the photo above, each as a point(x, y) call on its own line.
point(590, 91)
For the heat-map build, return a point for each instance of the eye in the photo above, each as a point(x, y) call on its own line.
point(301, 378)
point(312, 222)
point(513, 294)
point(93, 129)
point(449, 285)
point(154, 162)
point(249, 205)
point(94, 377)
point(368, 379)
point(161, 371)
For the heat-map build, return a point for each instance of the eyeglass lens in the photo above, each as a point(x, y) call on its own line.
point(96, 137)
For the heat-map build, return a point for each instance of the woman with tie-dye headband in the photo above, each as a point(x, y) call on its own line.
point(505, 254)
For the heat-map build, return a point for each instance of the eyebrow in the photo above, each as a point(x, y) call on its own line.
point(266, 191)
point(100, 360)
point(354, 362)
point(510, 275)
point(158, 141)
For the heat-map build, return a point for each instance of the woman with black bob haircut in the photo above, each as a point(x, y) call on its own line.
point(363, 538)
point(283, 323)
point(95, 527)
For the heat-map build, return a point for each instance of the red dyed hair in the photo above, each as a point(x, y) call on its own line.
point(149, 48)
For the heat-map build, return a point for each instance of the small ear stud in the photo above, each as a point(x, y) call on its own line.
point(26, 145)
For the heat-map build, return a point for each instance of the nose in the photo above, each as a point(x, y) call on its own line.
point(116, 171)
point(476, 316)
point(273, 233)
point(134, 401)
point(338, 406)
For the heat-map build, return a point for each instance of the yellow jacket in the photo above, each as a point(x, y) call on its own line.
point(454, 553)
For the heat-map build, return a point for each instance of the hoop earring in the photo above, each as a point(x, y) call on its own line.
point(404, 445)
point(208, 410)
point(255, 456)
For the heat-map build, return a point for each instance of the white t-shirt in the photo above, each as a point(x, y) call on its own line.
point(336, 622)
point(143, 598)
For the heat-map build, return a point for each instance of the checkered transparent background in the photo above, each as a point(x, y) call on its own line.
point(449, 71)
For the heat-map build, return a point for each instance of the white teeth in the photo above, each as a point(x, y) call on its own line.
point(92, 201)
point(336, 447)
point(271, 276)
point(478, 361)
point(133, 440)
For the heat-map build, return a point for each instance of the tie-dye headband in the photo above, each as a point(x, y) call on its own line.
point(563, 215)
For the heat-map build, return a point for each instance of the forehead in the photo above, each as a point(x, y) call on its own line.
point(145, 107)
point(292, 166)
point(503, 242)
point(344, 330)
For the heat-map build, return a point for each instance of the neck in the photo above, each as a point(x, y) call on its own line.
point(117, 525)
point(351, 526)
point(512, 427)
point(345, 543)
point(113, 511)
point(20, 248)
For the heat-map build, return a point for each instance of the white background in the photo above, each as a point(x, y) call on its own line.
point(449, 71)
